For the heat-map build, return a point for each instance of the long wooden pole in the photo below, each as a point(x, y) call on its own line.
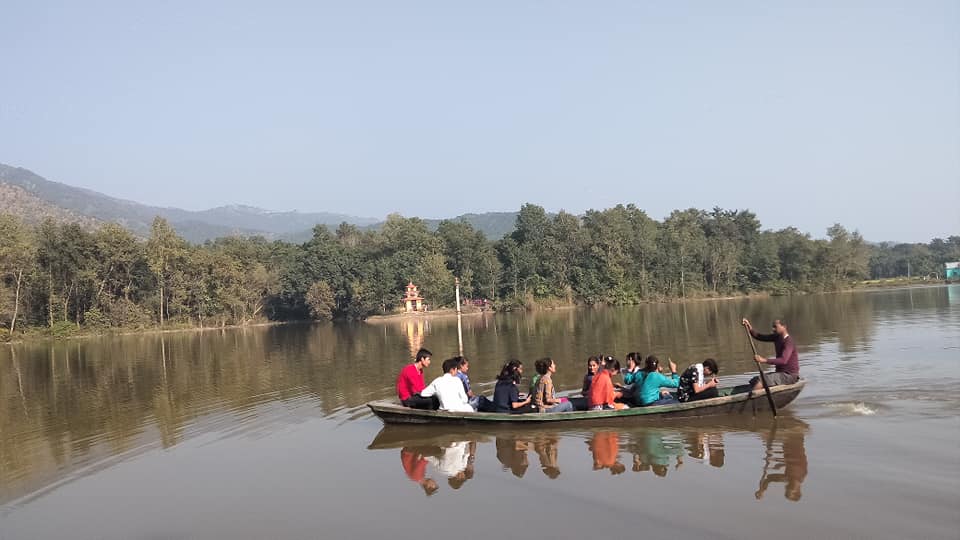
point(459, 322)
point(763, 378)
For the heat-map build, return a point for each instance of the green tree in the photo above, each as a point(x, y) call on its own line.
point(846, 256)
point(798, 256)
point(321, 301)
point(682, 244)
point(65, 255)
point(165, 250)
point(470, 257)
point(17, 256)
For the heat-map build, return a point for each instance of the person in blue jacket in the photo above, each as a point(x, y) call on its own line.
point(653, 381)
point(632, 378)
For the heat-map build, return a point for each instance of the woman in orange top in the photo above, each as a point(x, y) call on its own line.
point(602, 395)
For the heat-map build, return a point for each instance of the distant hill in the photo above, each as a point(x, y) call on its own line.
point(32, 209)
point(34, 198)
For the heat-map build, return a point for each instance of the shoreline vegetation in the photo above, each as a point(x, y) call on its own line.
point(449, 312)
point(61, 280)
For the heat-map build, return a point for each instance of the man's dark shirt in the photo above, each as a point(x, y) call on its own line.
point(787, 360)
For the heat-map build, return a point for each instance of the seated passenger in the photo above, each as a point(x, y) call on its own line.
point(602, 395)
point(593, 366)
point(543, 396)
point(465, 379)
point(506, 395)
point(410, 383)
point(653, 381)
point(449, 389)
point(632, 377)
point(533, 382)
point(692, 386)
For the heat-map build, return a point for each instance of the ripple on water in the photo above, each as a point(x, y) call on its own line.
point(853, 408)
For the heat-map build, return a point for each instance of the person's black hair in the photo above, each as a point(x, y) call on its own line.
point(651, 364)
point(712, 364)
point(633, 355)
point(542, 365)
point(515, 364)
point(423, 353)
point(593, 359)
point(509, 371)
point(461, 360)
point(451, 363)
point(611, 364)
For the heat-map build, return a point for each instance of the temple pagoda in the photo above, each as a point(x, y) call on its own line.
point(412, 301)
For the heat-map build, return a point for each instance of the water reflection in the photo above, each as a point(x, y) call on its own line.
point(428, 453)
point(785, 462)
point(67, 405)
point(453, 461)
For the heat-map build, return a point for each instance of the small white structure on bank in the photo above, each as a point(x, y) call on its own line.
point(412, 301)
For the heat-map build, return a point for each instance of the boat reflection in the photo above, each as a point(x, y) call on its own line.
point(430, 454)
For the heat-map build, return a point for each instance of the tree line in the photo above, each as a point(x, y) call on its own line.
point(62, 277)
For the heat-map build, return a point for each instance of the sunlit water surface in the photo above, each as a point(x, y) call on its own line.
point(263, 432)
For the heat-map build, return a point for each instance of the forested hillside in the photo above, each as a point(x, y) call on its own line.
point(64, 276)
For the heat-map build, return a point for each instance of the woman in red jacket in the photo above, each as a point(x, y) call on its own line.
point(602, 395)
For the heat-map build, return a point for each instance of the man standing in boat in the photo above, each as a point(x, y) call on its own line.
point(410, 383)
point(786, 360)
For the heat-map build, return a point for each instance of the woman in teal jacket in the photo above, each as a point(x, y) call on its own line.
point(632, 379)
point(653, 381)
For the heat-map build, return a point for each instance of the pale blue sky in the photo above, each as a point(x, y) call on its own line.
point(807, 113)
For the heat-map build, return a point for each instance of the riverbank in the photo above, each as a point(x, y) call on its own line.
point(35, 334)
point(550, 304)
point(442, 313)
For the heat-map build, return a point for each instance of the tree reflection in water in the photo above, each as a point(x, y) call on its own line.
point(655, 449)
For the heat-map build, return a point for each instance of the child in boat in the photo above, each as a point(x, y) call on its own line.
point(694, 383)
point(543, 396)
point(462, 371)
point(506, 395)
point(602, 395)
point(593, 366)
point(449, 389)
point(653, 381)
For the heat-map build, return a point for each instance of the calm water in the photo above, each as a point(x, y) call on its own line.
point(262, 433)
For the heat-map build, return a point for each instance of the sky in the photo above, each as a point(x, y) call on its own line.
point(806, 113)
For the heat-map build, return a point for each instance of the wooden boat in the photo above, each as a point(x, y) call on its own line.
point(732, 400)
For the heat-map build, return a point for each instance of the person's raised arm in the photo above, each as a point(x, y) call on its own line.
point(756, 335)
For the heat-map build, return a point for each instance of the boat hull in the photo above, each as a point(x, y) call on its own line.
point(738, 401)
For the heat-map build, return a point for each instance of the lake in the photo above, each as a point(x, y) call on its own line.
point(263, 432)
